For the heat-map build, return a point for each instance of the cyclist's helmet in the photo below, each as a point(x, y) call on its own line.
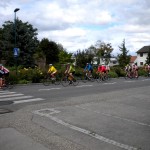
point(50, 64)
point(1, 65)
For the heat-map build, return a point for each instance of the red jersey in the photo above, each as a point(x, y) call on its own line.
point(101, 69)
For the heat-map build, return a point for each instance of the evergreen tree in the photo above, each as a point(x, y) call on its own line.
point(123, 58)
point(26, 41)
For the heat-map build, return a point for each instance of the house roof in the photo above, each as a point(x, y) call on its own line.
point(132, 59)
point(144, 49)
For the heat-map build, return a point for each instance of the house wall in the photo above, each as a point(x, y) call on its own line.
point(141, 60)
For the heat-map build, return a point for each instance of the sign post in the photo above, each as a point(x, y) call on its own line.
point(16, 54)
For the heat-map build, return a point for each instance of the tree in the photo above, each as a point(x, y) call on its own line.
point(64, 57)
point(103, 50)
point(51, 50)
point(83, 57)
point(123, 58)
point(148, 57)
point(26, 41)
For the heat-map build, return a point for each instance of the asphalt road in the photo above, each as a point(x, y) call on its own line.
point(111, 115)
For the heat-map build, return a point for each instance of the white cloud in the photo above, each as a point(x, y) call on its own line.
point(77, 24)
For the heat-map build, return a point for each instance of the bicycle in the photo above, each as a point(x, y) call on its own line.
point(131, 75)
point(48, 79)
point(6, 83)
point(147, 74)
point(86, 77)
point(105, 77)
point(66, 80)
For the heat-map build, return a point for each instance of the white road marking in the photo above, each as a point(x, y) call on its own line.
point(84, 131)
point(83, 85)
point(145, 79)
point(10, 95)
point(129, 81)
point(110, 83)
point(15, 98)
point(2, 93)
point(49, 89)
point(114, 116)
point(28, 100)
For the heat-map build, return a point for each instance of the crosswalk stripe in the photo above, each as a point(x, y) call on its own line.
point(10, 95)
point(28, 100)
point(7, 93)
point(16, 98)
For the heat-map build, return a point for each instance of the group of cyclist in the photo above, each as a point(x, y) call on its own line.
point(132, 70)
point(102, 70)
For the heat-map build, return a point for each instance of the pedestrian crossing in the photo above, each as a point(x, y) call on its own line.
point(17, 98)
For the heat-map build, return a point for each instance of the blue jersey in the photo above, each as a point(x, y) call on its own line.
point(88, 67)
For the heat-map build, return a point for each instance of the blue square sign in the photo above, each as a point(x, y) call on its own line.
point(16, 52)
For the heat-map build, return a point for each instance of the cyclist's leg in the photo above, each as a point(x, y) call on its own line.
point(1, 79)
point(1, 82)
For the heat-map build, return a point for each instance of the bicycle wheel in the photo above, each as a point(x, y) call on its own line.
point(75, 81)
point(83, 79)
point(4, 87)
point(57, 81)
point(65, 82)
point(108, 77)
point(91, 79)
point(46, 81)
point(98, 79)
point(10, 84)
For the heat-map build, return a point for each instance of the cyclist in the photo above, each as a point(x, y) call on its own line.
point(107, 69)
point(70, 70)
point(135, 70)
point(128, 70)
point(52, 71)
point(102, 70)
point(88, 69)
point(147, 69)
point(4, 72)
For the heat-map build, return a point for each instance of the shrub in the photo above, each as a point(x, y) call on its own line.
point(113, 74)
point(118, 70)
point(142, 72)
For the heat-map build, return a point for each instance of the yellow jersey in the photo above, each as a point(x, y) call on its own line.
point(52, 69)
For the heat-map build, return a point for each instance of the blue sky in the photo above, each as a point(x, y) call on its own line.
point(78, 24)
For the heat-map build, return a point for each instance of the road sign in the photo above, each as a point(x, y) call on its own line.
point(16, 52)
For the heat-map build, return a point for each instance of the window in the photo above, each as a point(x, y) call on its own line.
point(141, 54)
point(141, 63)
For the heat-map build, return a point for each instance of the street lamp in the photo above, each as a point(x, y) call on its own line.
point(15, 49)
point(17, 9)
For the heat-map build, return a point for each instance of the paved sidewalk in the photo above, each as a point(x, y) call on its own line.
point(12, 139)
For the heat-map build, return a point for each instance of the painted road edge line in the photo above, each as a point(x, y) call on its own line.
point(49, 89)
point(83, 86)
point(87, 132)
point(28, 100)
